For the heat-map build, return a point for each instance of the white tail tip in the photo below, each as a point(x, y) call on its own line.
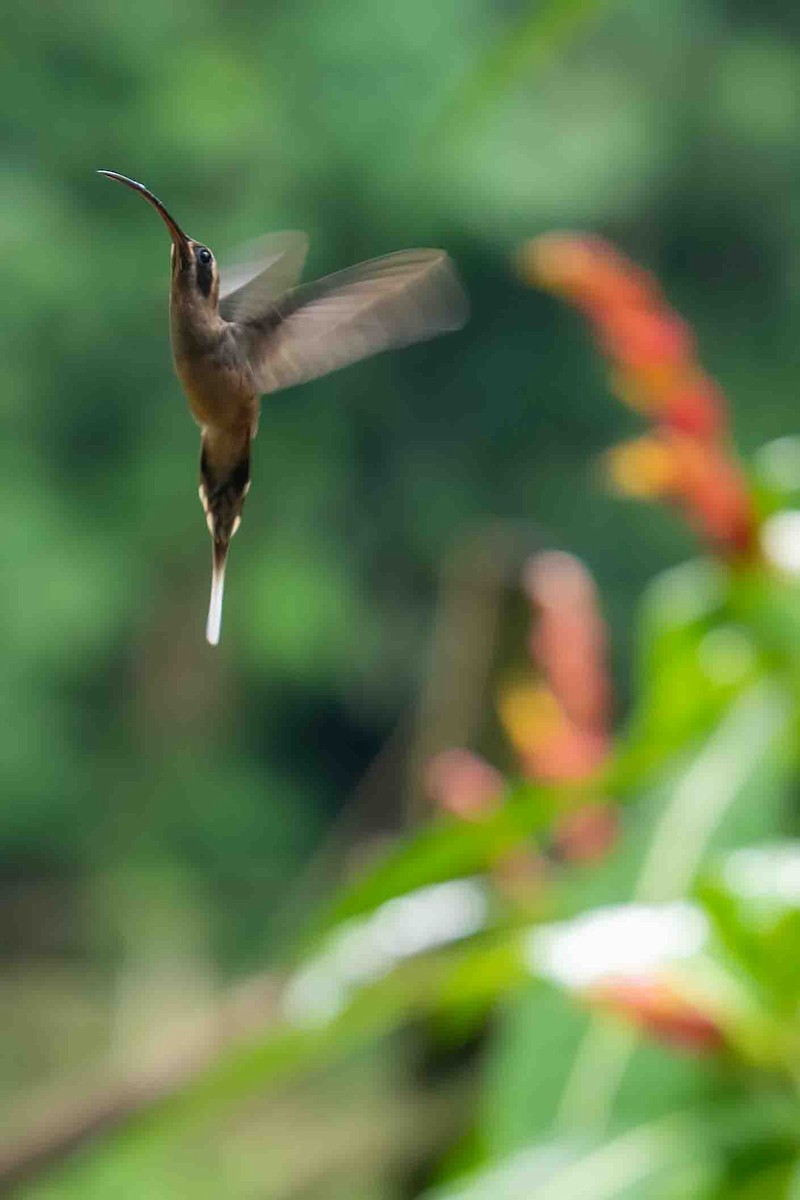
point(214, 623)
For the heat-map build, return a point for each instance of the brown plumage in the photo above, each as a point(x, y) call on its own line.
point(239, 333)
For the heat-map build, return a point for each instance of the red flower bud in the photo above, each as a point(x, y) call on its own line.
point(659, 1009)
point(588, 834)
point(695, 406)
point(639, 339)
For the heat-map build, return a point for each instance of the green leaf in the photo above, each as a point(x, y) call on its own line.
point(536, 1038)
point(731, 789)
point(701, 803)
point(692, 659)
point(643, 1162)
point(450, 848)
point(753, 897)
point(685, 1152)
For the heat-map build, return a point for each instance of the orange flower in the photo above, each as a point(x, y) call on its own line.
point(654, 370)
point(586, 270)
point(568, 641)
point(563, 753)
point(710, 489)
point(700, 479)
point(695, 406)
point(556, 724)
point(642, 339)
point(644, 468)
point(530, 715)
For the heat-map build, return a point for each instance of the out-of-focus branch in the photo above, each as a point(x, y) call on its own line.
point(59, 1120)
point(478, 572)
point(403, 1130)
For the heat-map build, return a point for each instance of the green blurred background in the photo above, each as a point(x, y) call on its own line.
point(162, 801)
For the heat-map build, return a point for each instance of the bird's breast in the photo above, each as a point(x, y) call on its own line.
point(218, 387)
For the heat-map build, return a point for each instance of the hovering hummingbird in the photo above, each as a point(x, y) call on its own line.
point(239, 333)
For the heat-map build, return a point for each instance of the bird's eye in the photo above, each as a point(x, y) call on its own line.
point(204, 256)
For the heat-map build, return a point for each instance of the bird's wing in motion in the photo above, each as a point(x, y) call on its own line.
point(260, 273)
point(319, 327)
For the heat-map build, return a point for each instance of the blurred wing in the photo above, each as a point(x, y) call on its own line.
point(319, 327)
point(261, 272)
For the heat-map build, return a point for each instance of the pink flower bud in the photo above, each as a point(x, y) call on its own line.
point(464, 784)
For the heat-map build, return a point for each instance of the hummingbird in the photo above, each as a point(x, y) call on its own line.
point(253, 328)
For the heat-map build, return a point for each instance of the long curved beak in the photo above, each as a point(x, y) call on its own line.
point(179, 238)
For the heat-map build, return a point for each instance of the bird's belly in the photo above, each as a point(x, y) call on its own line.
point(219, 398)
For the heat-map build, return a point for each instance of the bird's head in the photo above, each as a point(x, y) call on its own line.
point(195, 277)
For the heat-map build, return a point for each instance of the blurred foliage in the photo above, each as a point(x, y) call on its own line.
point(162, 801)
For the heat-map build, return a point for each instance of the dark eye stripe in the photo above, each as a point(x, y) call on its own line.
point(205, 271)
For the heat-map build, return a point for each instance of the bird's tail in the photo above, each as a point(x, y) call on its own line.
point(214, 622)
point(223, 488)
